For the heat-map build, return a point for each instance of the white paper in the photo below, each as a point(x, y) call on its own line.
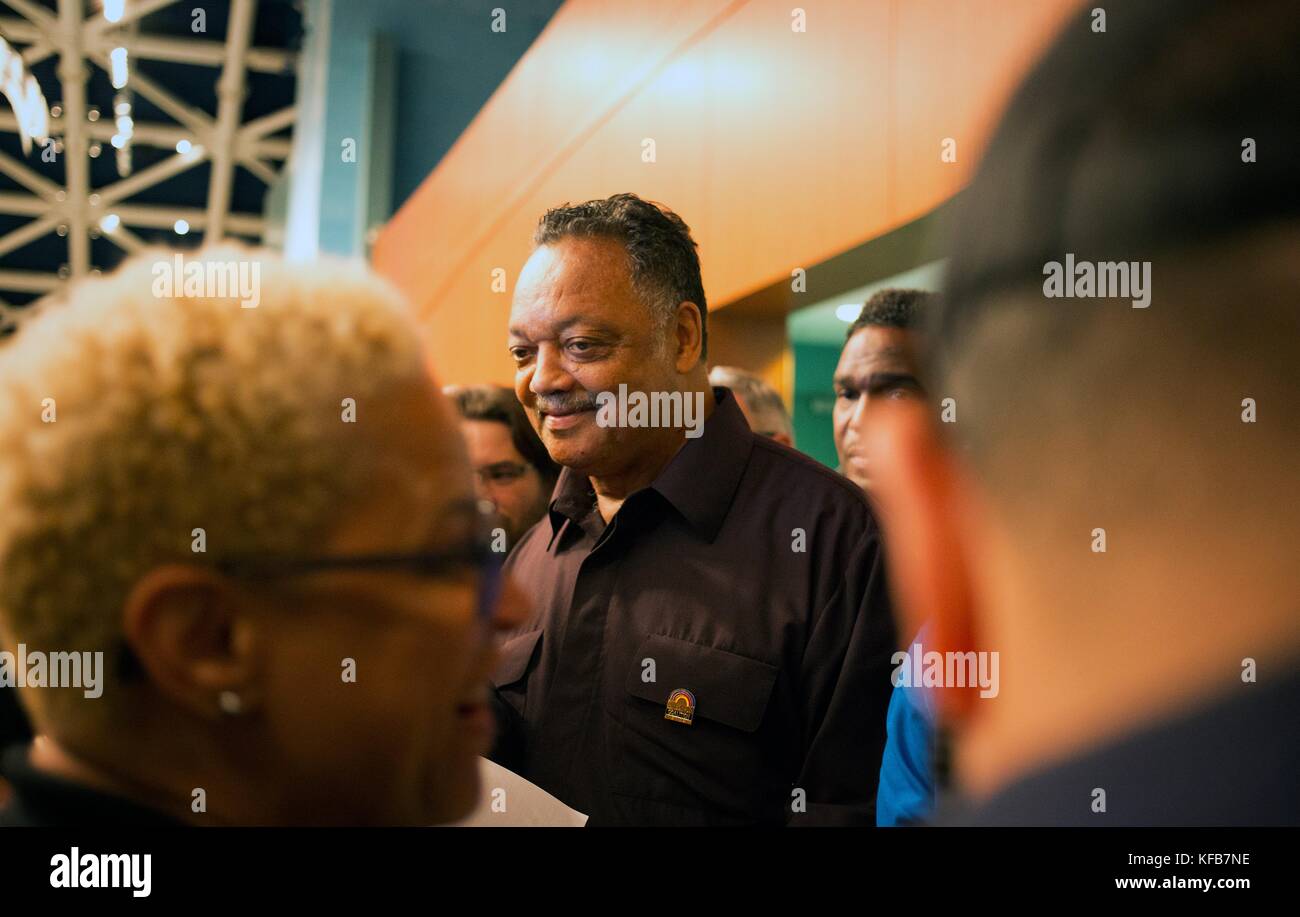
point(525, 804)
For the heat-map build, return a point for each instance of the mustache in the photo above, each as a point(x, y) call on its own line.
point(565, 404)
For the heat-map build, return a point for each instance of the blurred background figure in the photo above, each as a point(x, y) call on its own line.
point(264, 520)
point(512, 468)
point(1115, 507)
point(759, 402)
point(879, 360)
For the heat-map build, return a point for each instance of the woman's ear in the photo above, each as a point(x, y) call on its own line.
point(186, 626)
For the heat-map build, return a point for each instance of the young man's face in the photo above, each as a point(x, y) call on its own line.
point(877, 362)
point(504, 476)
point(578, 328)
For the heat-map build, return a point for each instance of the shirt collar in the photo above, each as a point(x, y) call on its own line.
point(700, 480)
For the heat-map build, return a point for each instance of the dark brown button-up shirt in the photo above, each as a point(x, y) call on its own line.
point(746, 584)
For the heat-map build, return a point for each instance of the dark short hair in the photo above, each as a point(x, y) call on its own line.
point(499, 404)
point(662, 256)
point(891, 308)
point(1131, 146)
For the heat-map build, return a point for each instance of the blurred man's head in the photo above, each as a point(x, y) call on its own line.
point(512, 467)
point(879, 361)
point(759, 402)
point(1115, 508)
point(156, 452)
point(611, 296)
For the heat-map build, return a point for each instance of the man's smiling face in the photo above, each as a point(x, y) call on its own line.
point(578, 328)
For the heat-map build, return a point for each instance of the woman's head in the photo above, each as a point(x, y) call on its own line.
point(168, 464)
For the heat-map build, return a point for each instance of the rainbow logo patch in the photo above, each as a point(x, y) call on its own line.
point(681, 707)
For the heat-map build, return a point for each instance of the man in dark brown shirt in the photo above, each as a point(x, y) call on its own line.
point(711, 636)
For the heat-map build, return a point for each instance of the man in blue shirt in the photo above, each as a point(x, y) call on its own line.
point(880, 362)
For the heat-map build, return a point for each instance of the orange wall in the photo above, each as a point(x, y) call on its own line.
point(779, 148)
point(753, 342)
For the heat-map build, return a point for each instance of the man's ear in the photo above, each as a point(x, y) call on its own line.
point(689, 337)
point(187, 627)
point(917, 488)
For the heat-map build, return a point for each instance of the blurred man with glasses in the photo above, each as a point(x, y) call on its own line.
point(511, 466)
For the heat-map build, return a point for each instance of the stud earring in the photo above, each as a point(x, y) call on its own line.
point(230, 703)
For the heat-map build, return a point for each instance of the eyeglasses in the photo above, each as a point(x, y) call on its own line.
point(477, 555)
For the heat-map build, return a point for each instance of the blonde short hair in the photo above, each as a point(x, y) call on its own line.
point(170, 413)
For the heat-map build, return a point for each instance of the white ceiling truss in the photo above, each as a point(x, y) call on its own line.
point(82, 38)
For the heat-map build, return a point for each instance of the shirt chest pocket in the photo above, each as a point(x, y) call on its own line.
point(688, 728)
point(721, 687)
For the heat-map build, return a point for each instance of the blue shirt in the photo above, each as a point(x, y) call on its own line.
point(906, 791)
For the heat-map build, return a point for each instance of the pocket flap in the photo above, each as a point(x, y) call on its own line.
point(515, 655)
point(728, 688)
